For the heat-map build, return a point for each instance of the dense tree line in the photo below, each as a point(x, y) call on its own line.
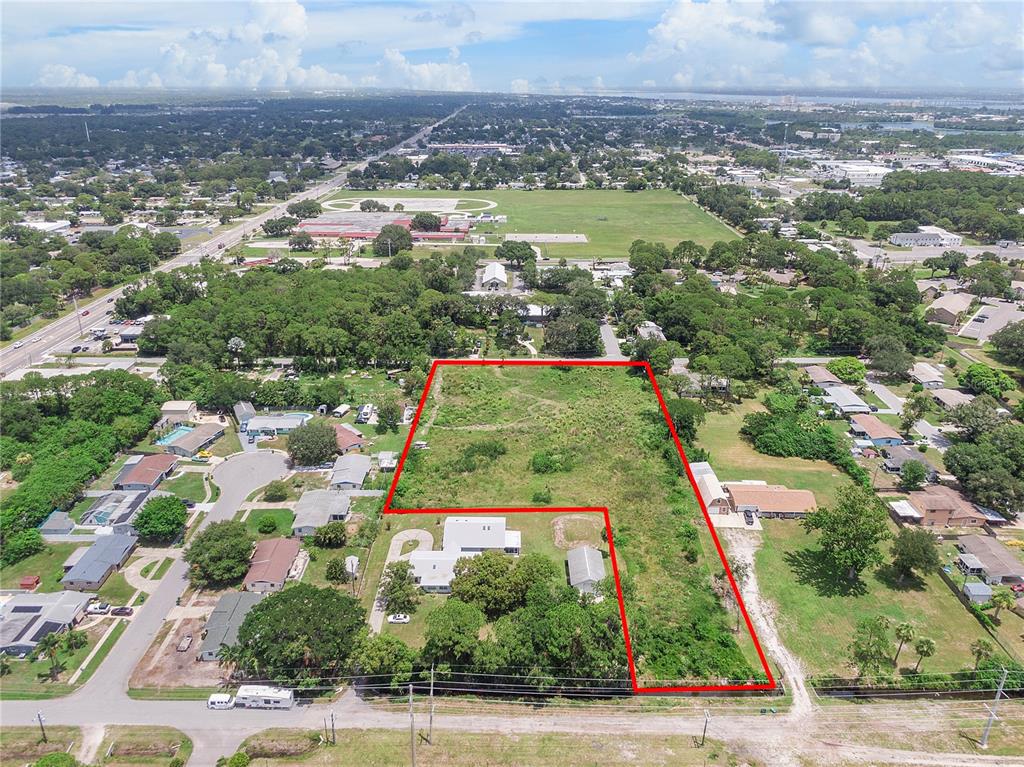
point(59, 434)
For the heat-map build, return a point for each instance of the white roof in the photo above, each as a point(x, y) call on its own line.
point(710, 489)
point(387, 459)
point(318, 507)
point(585, 564)
point(434, 568)
point(263, 691)
point(905, 509)
point(702, 467)
point(351, 468)
point(174, 405)
point(922, 372)
point(474, 533)
point(846, 399)
point(495, 271)
point(258, 422)
point(952, 302)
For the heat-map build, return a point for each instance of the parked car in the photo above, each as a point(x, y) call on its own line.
point(873, 408)
point(75, 349)
point(109, 311)
point(398, 618)
point(98, 608)
point(748, 517)
point(252, 438)
point(122, 612)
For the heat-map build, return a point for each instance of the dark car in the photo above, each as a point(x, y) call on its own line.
point(122, 611)
point(873, 408)
point(76, 349)
point(110, 300)
point(748, 517)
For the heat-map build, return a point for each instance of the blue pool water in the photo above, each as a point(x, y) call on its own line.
point(307, 416)
point(168, 438)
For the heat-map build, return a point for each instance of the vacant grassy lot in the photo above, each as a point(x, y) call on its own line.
point(47, 564)
point(607, 423)
point(282, 518)
point(377, 748)
point(22, 745)
point(817, 614)
point(189, 486)
point(610, 218)
point(144, 745)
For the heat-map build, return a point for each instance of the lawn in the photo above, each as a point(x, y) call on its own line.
point(227, 445)
point(610, 218)
point(144, 745)
point(30, 679)
point(47, 564)
point(116, 590)
point(380, 748)
point(733, 458)
point(282, 517)
point(104, 651)
point(608, 422)
point(189, 486)
point(817, 614)
point(22, 745)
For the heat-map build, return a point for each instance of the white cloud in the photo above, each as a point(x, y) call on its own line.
point(519, 85)
point(450, 75)
point(648, 83)
point(63, 76)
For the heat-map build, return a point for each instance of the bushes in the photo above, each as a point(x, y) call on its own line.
point(21, 545)
point(276, 491)
point(550, 462)
point(267, 525)
point(219, 555)
point(477, 453)
point(161, 519)
point(331, 536)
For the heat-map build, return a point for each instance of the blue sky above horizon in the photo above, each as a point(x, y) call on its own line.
point(524, 46)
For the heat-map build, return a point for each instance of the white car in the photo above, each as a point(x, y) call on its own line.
point(399, 618)
point(98, 608)
point(220, 700)
point(18, 344)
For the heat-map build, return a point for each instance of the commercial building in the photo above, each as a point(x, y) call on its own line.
point(26, 618)
point(318, 507)
point(222, 626)
point(191, 440)
point(433, 571)
point(586, 568)
point(104, 557)
point(494, 277)
point(270, 564)
point(350, 471)
point(870, 428)
point(927, 236)
point(145, 472)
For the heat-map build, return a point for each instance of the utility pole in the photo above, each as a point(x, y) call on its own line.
point(41, 718)
point(74, 300)
point(992, 709)
point(412, 730)
point(707, 718)
point(430, 731)
point(334, 733)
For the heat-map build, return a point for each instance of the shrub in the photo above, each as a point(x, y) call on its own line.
point(276, 491)
point(267, 525)
point(331, 536)
point(336, 572)
point(542, 496)
point(161, 519)
point(545, 462)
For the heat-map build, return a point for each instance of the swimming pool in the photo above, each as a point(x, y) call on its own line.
point(305, 416)
point(179, 431)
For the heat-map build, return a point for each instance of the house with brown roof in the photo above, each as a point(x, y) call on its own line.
point(270, 564)
point(145, 472)
point(998, 563)
point(950, 308)
point(942, 506)
point(348, 438)
point(770, 500)
point(193, 440)
point(822, 377)
point(871, 428)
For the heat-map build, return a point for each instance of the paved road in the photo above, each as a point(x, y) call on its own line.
point(611, 343)
point(426, 543)
point(933, 434)
point(887, 395)
point(60, 332)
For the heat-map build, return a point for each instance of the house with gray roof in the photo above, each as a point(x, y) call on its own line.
point(586, 568)
point(26, 618)
point(318, 507)
point(350, 471)
point(222, 626)
point(104, 557)
point(194, 440)
point(243, 412)
point(58, 523)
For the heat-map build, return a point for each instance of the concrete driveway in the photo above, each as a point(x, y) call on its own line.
point(426, 542)
point(893, 402)
point(933, 434)
point(611, 343)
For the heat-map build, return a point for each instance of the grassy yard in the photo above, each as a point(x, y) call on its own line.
point(31, 679)
point(104, 651)
point(144, 746)
point(189, 486)
point(608, 422)
point(106, 480)
point(733, 458)
point(282, 517)
point(116, 590)
point(817, 612)
point(226, 445)
point(47, 564)
point(377, 748)
point(611, 219)
point(22, 745)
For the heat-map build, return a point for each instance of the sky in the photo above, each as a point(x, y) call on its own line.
point(529, 46)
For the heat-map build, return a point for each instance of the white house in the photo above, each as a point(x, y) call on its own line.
point(318, 507)
point(350, 471)
point(651, 330)
point(934, 236)
point(845, 401)
point(495, 277)
point(586, 569)
point(927, 375)
point(463, 537)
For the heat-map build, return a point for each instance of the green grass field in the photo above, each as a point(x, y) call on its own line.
point(610, 218)
point(189, 486)
point(609, 422)
point(282, 517)
point(47, 564)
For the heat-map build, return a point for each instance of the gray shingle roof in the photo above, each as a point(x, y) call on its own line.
point(585, 565)
point(107, 551)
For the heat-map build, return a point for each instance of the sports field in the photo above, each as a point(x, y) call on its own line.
point(610, 218)
point(603, 430)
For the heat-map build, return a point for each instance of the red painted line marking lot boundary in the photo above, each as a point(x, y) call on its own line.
point(637, 688)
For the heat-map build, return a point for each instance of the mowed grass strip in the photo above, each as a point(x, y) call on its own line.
point(611, 218)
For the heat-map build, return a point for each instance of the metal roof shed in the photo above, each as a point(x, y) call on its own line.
point(586, 568)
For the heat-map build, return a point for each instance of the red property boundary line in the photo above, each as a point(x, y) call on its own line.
point(388, 509)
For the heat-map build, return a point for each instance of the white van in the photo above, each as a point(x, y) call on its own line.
point(220, 700)
point(262, 696)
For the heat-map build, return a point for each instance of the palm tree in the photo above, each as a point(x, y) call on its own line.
point(49, 647)
point(905, 632)
point(75, 640)
point(981, 649)
point(925, 648)
point(1003, 598)
point(5, 665)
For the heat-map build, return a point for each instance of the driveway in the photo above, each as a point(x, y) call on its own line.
point(611, 343)
point(933, 434)
point(893, 402)
point(426, 542)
